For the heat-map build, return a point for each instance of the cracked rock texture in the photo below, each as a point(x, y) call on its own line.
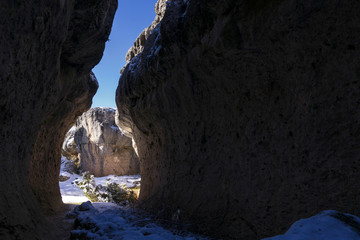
point(100, 145)
point(139, 43)
point(47, 51)
point(246, 113)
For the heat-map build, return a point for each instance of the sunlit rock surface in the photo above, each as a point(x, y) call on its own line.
point(100, 145)
point(246, 113)
point(47, 50)
point(139, 43)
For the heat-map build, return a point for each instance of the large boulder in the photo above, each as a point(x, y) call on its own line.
point(246, 113)
point(100, 145)
point(47, 51)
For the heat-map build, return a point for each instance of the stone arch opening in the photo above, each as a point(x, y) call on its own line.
point(44, 164)
point(96, 146)
point(137, 46)
point(264, 93)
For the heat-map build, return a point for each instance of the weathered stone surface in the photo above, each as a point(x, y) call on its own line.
point(47, 50)
point(100, 145)
point(139, 43)
point(45, 163)
point(69, 148)
point(246, 113)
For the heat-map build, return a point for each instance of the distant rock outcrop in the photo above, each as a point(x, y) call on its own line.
point(100, 145)
point(69, 149)
point(246, 113)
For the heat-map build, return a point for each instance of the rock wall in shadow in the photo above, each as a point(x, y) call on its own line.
point(47, 50)
point(246, 113)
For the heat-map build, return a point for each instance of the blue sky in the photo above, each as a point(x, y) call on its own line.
point(132, 16)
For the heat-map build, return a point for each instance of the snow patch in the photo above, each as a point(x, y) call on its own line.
point(71, 193)
point(109, 221)
point(325, 225)
point(103, 221)
point(128, 180)
point(73, 199)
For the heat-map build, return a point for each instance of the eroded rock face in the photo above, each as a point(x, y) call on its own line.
point(139, 43)
point(101, 147)
point(69, 148)
point(47, 50)
point(245, 113)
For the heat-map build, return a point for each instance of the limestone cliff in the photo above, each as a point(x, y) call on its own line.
point(245, 113)
point(100, 145)
point(47, 50)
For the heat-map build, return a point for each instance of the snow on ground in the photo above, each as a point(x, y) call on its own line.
point(71, 193)
point(128, 180)
point(105, 221)
point(109, 221)
point(328, 225)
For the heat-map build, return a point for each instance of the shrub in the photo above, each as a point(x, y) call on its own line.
point(112, 192)
point(63, 178)
point(120, 193)
point(88, 186)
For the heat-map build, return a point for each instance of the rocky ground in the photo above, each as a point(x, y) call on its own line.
point(103, 221)
point(72, 194)
point(109, 220)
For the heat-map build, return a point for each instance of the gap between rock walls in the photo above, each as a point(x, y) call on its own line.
point(241, 117)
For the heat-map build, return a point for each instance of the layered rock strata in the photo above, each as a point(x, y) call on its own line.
point(246, 113)
point(100, 145)
point(47, 50)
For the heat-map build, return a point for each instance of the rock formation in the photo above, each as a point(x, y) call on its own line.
point(47, 50)
point(69, 148)
point(139, 43)
point(246, 113)
point(100, 145)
